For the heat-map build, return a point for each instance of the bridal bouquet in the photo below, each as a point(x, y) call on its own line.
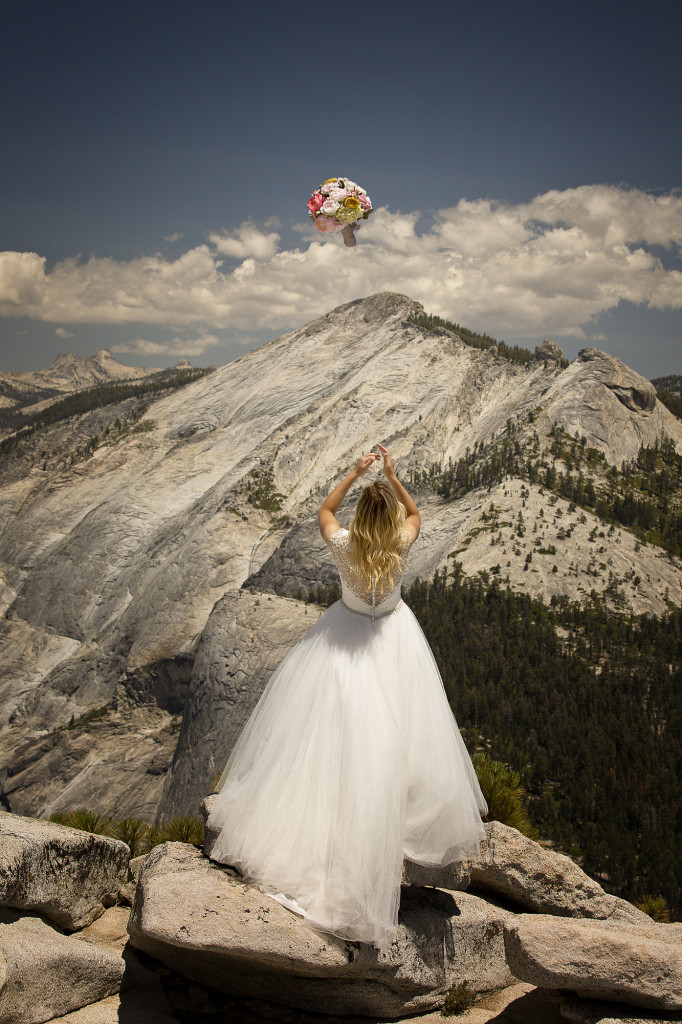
point(338, 204)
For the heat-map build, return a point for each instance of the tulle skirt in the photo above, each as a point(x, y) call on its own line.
point(351, 760)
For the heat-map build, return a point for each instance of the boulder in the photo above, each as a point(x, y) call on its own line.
point(640, 965)
point(518, 869)
point(549, 351)
point(64, 873)
point(454, 877)
point(210, 834)
point(634, 391)
point(46, 974)
point(212, 927)
point(135, 866)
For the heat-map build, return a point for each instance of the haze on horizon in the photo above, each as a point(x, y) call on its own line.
point(524, 162)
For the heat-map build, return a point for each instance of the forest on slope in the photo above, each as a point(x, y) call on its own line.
point(586, 704)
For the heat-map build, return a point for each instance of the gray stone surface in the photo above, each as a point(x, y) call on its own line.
point(636, 964)
point(64, 873)
point(517, 868)
point(613, 406)
point(211, 927)
point(454, 877)
point(244, 640)
point(549, 351)
point(47, 974)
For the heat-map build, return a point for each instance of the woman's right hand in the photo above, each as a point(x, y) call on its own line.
point(364, 462)
point(388, 461)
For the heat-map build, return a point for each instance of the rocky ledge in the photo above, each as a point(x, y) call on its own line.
point(529, 933)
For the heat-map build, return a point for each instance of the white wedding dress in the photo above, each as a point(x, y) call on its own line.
point(351, 760)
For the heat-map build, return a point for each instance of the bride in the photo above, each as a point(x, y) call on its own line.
point(352, 759)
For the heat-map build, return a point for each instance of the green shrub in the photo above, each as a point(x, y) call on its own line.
point(184, 829)
point(503, 792)
point(87, 821)
point(459, 999)
point(153, 837)
point(655, 906)
point(61, 818)
point(132, 831)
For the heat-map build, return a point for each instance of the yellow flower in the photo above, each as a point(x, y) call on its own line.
point(351, 203)
point(330, 180)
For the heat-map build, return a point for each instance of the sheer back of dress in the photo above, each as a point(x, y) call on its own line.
point(354, 593)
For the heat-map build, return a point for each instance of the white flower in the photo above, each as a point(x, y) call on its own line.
point(350, 185)
point(338, 193)
point(329, 207)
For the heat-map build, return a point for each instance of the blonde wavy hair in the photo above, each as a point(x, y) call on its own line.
point(377, 537)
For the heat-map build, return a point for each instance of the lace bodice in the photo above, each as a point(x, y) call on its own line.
point(354, 592)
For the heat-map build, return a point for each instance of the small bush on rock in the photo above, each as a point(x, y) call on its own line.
point(153, 837)
point(82, 818)
point(655, 906)
point(184, 829)
point(503, 792)
point(138, 834)
point(132, 831)
point(459, 999)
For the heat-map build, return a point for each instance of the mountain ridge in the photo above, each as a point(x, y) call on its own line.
point(150, 540)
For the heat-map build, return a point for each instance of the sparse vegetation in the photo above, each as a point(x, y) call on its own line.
point(515, 353)
point(669, 391)
point(140, 835)
point(258, 486)
point(459, 999)
point(81, 402)
point(504, 794)
point(655, 906)
point(644, 495)
point(132, 831)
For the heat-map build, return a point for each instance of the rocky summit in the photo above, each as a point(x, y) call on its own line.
point(150, 584)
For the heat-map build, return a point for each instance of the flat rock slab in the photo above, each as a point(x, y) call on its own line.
point(63, 873)
point(519, 869)
point(608, 960)
point(212, 927)
point(46, 974)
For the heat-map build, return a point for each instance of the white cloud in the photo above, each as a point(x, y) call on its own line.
point(175, 237)
point(549, 266)
point(176, 347)
point(246, 242)
point(62, 332)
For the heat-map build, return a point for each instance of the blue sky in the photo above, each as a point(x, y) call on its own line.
point(523, 160)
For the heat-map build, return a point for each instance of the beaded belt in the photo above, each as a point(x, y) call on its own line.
point(374, 615)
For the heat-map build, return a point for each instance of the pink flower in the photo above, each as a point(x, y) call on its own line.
point(326, 224)
point(315, 202)
point(338, 193)
point(365, 202)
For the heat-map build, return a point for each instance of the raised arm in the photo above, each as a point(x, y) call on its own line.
point(413, 520)
point(326, 517)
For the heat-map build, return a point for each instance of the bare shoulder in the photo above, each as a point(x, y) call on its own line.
point(327, 523)
point(411, 529)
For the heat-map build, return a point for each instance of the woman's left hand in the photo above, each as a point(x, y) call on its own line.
point(364, 462)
